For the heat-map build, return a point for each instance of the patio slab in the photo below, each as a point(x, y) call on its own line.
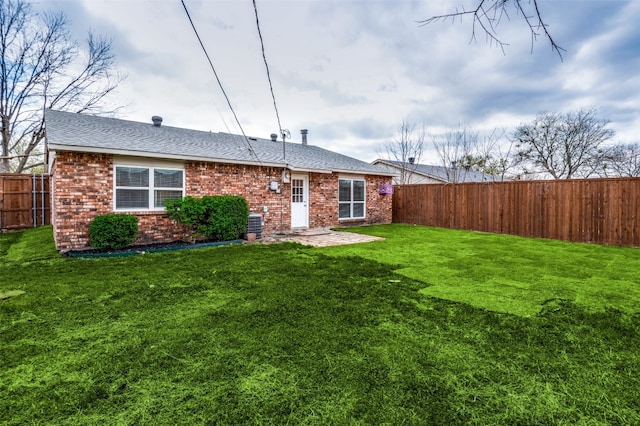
point(319, 237)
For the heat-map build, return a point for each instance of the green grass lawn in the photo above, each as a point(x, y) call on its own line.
point(508, 274)
point(431, 326)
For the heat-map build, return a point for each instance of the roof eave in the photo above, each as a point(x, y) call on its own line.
point(146, 154)
point(346, 171)
point(299, 169)
point(365, 172)
point(53, 147)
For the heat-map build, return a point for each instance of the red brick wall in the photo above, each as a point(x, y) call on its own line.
point(251, 182)
point(323, 199)
point(83, 188)
point(378, 205)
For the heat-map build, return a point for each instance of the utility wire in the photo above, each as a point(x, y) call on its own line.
point(273, 96)
point(251, 150)
point(266, 65)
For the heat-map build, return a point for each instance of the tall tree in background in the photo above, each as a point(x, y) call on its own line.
point(488, 14)
point(41, 67)
point(406, 149)
point(491, 155)
point(456, 150)
point(563, 146)
point(622, 160)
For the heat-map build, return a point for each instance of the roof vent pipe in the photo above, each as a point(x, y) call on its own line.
point(157, 120)
point(274, 137)
point(304, 133)
point(412, 160)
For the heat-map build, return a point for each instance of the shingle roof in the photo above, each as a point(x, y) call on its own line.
point(442, 173)
point(86, 133)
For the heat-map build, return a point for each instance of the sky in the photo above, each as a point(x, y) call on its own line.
point(351, 71)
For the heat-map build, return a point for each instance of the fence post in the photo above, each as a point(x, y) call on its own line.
point(42, 199)
point(34, 198)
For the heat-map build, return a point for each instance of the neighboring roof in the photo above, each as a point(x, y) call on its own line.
point(440, 173)
point(86, 133)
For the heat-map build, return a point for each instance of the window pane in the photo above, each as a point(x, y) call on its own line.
point(358, 209)
point(132, 199)
point(159, 197)
point(344, 211)
point(358, 190)
point(167, 178)
point(297, 190)
point(132, 176)
point(345, 190)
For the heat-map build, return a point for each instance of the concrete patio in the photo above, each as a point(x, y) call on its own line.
point(319, 237)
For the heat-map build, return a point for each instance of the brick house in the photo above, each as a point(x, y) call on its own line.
point(104, 165)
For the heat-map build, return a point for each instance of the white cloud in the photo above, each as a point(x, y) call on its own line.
point(351, 71)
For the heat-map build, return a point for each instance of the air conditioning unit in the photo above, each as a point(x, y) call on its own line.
point(255, 224)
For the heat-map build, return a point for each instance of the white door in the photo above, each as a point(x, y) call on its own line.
point(299, 201)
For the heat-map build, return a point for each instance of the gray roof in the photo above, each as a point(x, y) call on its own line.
point(445, 174)
point(86, 133)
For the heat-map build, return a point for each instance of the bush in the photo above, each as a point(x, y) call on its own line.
point(113, 231)
point(188, 211)
point(221, 217)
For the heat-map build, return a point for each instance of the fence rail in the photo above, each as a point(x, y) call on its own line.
point(24, 201)
point(603, 211)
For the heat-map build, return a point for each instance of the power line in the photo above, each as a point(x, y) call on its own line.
point(251, 150)
point(275, 106)
point(266, 65)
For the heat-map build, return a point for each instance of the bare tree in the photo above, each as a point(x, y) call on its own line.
point(563, 146)
point(406, 150)
point(488, 14)
point(456, 149)
point(40, 67)
point(492, 155)
point(622, 160)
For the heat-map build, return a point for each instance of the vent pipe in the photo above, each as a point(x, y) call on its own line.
point(274, 137)
point(157, 120)
point(412, 160)
point(304, 133)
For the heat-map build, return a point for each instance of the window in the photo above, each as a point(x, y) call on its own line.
point(147, 188)
point(351, 199)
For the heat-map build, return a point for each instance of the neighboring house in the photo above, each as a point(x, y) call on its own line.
point(412, 173)
point(105, 165)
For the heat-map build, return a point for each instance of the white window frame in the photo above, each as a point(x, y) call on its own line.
point(151, 188)
point(351, 202)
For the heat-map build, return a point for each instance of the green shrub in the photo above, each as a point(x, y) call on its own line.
point(113, 231)
point(188, 211)
point(221, 217)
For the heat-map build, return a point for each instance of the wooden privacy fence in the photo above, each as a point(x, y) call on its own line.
point(24, 201)
point(604, 211)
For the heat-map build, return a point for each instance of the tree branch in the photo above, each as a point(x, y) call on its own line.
point(488, 15)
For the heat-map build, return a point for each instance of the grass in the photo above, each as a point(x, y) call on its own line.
point(374, 333)
point(505, 273)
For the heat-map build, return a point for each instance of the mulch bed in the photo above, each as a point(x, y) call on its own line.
point(148, 248)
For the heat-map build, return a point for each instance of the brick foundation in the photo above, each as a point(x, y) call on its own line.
point(82, 188)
